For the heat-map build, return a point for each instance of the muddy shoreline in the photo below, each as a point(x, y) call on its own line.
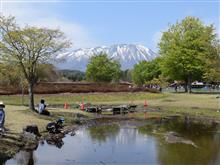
point(11, 143)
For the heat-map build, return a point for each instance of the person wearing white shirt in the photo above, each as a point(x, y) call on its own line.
point(42, 108)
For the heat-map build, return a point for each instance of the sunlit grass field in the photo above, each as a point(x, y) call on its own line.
point(18, 117)
point(159, 104)
point(94, 98)
point(162, 100)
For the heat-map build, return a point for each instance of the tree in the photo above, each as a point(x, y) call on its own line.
point(161, 81)
point(102, 69)
point(185, 47)
point(126, 75)
point(212, 71)
point(73, 75)
point(47, 73)
point(28, 47)
point(146, 71)
point(10, 75)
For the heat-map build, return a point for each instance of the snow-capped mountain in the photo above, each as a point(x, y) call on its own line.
point(127, 54)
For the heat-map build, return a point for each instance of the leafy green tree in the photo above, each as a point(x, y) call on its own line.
point(102, 69)
point(47, 73)
point(10, 75)
point(28, 47)
point(146, 71)
point(161, 81)
point(126, 75)
point(185, 47)
point(73, 75)
point(212, 71)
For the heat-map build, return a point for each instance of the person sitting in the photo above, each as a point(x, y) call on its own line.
point(42, 108)
point(2, 116)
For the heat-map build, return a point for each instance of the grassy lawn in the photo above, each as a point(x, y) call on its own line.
point(188, 101)
point(18, 116)
point(94, 98)
point(184, 104)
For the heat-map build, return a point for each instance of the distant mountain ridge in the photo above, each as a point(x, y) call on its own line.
point(127, 54)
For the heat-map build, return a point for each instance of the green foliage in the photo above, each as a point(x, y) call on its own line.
point(47, 73)
point(27, 47)
point(10, 75)
point(74, 75)
point(212, 71)
point(101, 132)
point(126, 75)
point(185, 47)
point(146, 71)
point(161, 81)
point(102, 69)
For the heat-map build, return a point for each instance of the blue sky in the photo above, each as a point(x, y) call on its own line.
point(94, 23)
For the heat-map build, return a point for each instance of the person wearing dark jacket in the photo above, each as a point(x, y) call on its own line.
point(2, 116)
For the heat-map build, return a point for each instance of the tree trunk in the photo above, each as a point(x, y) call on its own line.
point(22, 90)
point(185, 86)
point(31, 96)
point(189, 84)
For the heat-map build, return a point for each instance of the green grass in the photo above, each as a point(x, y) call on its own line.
point(169, 111)
point(165, 104)
point(18, 117)
point(94, 98)
point(188, 101)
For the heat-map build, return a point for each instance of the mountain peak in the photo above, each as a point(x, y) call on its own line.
point(127, 54)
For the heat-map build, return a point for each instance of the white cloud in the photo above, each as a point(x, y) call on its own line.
point(33, 16)
point(78, 34)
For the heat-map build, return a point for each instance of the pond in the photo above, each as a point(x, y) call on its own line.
point(129, 142)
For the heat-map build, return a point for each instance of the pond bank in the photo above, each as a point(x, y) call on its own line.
point(117, 141)
point(13, 141)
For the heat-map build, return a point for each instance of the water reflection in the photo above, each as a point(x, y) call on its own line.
point(25, 158)
point(58, 142)
point(117, 144)
point(3, 158)
point(206, 137)
point(206, 153)
point(102, 132)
